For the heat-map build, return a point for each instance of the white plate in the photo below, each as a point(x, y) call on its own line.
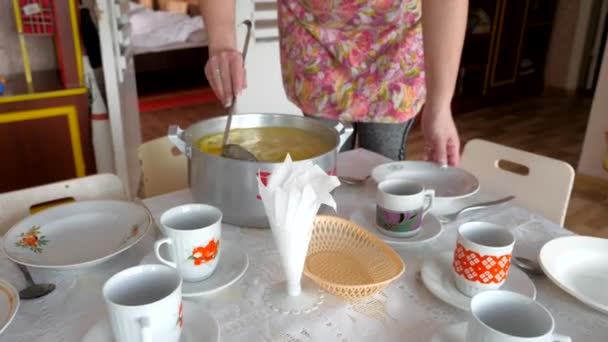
point(76, 235)
point(452, 333)
point(9, 304)
point(578, 265)
point(199, 326)
point(366, 218)
point(448, 182)
point(438, 278)
point(232, 266)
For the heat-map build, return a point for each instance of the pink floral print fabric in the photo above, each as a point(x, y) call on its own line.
point(353, 60)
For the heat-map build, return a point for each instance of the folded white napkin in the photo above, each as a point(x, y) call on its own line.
point(292, 198)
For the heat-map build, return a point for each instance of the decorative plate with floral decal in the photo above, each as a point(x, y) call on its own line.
point(9, 304)
point(78, 234)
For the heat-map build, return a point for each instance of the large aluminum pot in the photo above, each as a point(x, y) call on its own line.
point(231, 185)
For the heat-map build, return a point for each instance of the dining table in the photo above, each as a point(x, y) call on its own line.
point(403, 311)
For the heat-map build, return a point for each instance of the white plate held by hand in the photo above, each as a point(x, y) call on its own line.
point(366, 218)
point(233, 264)
point(448, 182)
point(199, 325)
point(437, 276)
point(579, 266)
point(76, 235)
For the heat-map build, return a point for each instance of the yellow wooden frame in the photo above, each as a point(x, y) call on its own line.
point(24, 54)
point(77, 48)
point(72, 116)
point(44, 95)
point(491, 69)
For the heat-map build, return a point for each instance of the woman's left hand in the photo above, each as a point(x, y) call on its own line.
point(441, 142)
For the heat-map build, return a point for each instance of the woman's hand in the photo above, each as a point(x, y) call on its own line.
point(441, 142)
point(226, 74)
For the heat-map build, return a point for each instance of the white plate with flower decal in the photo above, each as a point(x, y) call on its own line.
point(9, 304)
point(198, 325)
point(76, 235)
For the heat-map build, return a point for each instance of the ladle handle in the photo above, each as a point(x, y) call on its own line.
point(232, 105)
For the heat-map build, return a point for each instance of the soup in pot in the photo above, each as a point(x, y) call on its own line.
point(271, 144)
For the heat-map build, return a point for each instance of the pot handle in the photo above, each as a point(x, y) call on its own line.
point(176, 137)
point(345, 130)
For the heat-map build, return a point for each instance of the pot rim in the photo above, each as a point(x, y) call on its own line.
point(188, 136)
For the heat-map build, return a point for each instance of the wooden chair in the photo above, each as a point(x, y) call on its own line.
point(16, 205)
point(164, 168)
point(540, 184)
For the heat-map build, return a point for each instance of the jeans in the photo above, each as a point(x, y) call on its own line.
point(387, 139)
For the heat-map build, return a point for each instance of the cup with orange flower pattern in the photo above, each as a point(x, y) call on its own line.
point(193, 234)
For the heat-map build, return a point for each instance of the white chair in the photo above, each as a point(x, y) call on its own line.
point(16, 205)
point(540, 183)
point(164, 168)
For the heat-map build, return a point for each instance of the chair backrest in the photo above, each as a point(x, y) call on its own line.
point(164, 167)
point(16, 205)
point(540, 183)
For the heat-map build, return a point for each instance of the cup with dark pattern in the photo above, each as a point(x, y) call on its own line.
point(401, 206)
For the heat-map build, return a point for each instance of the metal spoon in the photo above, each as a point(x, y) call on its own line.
point(352, 180)
point(453, 216)
point(528, 265)
point(235, 151)
point(33, 290)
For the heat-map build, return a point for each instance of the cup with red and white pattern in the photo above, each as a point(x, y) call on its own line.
point(482, 257)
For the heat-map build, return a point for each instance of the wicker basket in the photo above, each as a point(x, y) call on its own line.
point(348, 261)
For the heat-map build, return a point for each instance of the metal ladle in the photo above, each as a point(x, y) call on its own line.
point(235, 151)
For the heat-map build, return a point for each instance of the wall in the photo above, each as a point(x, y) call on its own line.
point(566, 48)
point(594, 158)
point(41, 49)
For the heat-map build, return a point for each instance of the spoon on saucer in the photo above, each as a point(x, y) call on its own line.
point(453, 216)
point(528, 265)
point(33, 290)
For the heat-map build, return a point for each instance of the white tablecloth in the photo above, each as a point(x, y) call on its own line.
point(404, 311)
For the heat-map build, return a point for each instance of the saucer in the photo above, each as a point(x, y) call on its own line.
point(232, 266)
point(452, 333)
point(199, 325)
point(437, 276)
point(366, 218)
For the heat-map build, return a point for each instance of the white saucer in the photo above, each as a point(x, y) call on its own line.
point(453, 333)
point(366, 218)
point(232, 266)
point(437, 276)
point(199, 325)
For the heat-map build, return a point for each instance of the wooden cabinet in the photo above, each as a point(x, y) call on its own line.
point(504, 52)
point(44, 138)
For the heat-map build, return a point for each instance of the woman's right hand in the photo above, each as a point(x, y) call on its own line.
point(225, 72)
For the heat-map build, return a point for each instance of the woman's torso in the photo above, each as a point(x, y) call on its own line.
point(353, 60)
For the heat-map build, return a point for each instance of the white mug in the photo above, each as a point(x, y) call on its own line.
point(401, 206)
point(144, 304)
point(193, 232)
point(503, 316)
point(482, 257)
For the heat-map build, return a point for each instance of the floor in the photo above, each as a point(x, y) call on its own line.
point(553, 126)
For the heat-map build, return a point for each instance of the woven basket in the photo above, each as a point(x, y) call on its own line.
point(348, 261)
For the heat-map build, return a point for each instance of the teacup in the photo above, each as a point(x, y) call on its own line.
point(401, 207)
point(503, 316)
point(144, 304)
point(193, 233)
point(482, 257)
